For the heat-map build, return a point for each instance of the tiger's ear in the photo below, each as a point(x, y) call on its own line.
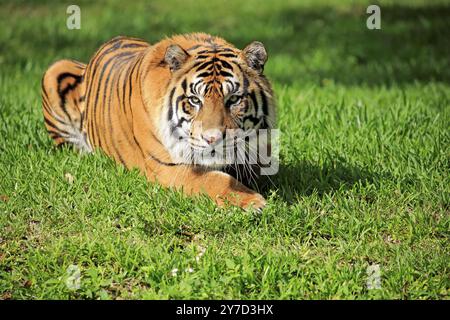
point(255, 55)
point(175, 57)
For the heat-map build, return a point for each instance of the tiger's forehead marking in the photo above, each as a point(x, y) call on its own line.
point(213, 66)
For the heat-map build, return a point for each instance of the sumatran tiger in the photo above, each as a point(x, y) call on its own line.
point(156, 106)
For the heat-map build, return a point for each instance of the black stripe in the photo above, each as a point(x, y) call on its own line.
point(227, 55)
point(263, 100)
point(225, 74)
point(63, 93)
point(57, 134)
point(122, 102)
point(43, 89)
point(170, 111)
point(81, 121)
point(255, 101)
point(177, 102)
point(245, 85)
point(205, 74)
point(226, 65)
point(50, 111)
point(127, 74)
point(91, 72)
point(204, 65)
point(109, 110)
point(168, 164)
point(227, 50)
point(134, 45)
point(253, 119)
point(191, 86)
point(196, 86)
point(53, 126)
point(99, 85)
point(180, 122)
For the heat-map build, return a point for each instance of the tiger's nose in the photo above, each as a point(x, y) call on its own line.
point(212, 136)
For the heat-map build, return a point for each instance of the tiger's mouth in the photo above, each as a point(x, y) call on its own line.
point(197, 144)
point(223, 153)
point(237, 147)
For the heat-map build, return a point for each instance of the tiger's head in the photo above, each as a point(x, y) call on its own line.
point(214, 89)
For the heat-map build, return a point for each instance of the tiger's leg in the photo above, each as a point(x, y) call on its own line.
point(220, 186)
point(63, 103)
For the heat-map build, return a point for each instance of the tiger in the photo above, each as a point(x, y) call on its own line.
point(143, 104)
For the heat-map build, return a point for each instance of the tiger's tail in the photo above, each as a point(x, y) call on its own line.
point(63, 103)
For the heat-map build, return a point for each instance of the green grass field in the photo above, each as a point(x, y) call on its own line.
point(364, 176)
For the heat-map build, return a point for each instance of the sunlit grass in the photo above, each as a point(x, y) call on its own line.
point(364, 117)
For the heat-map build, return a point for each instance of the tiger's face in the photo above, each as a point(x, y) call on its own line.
point(216, 93)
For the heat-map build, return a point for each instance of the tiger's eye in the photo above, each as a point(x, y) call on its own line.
point(234, 99)
point(194, 100)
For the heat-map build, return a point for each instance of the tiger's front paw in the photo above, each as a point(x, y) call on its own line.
point(246, 201)
point(255, 201)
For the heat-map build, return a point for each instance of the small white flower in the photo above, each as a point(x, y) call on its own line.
point(201, 253)
point(373, 277)
point(174, 272)
point(69, 178)
point(73, 279)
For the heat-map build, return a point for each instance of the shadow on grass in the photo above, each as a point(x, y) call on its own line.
point(306, 178)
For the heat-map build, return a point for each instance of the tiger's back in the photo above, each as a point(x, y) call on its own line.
point(96, 104)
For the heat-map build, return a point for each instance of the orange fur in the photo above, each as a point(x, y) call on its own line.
point(118, 101)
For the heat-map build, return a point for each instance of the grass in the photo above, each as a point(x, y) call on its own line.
point(364, 177)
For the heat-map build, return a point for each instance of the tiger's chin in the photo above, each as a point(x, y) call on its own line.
point(205, 158)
